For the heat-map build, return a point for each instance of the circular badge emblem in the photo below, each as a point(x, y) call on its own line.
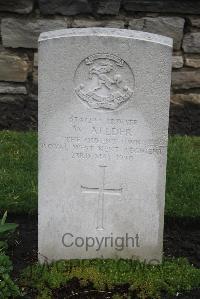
point(104, 81)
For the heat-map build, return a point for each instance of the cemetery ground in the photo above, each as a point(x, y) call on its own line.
point(177, 277)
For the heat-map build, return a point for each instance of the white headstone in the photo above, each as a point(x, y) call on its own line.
point(103, 131)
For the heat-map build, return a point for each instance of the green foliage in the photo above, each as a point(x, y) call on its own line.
point(5, 230)
point(183, 176)
point(117, 296)
point(7, 286)
point(18, 172)
point(147, 281)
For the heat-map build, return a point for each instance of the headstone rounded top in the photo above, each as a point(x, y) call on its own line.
point(125, 33)
point(104, 99)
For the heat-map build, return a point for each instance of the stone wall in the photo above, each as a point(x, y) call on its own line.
point(23, 20)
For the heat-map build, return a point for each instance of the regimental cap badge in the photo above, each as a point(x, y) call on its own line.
point(104, 81)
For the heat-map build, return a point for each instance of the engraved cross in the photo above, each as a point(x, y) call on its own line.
point(101, 191)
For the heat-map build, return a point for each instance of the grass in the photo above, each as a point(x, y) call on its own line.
point(140, 279)
point(18, 174)
point(183, 177)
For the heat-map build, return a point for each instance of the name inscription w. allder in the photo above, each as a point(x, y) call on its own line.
point(114, 141)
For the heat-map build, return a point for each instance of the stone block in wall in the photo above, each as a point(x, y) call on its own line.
point(136, 24)
point(174, 6)
point(75, 7)
point(185, 79)
point(23, 33)
point(7, 99)
point(18, 6)
point(64, 7)
point(168, 26)
point(35, 60)
point(106, 7)
point(177, 61)
point(191, 42)
point(194, 21)
point(13, 67)
point(192, 61)
point(91, 22)
point(12, 88)
point(35, 81)
point(180, 99)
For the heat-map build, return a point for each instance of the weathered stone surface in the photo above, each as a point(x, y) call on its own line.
point(191, 42)
point(174, 6)
point(103, 127)
point(13, 67)
point(180, 99)
point(35, 80)
point(24, 33)
point(7, 99)
point(35, 63)
point(33, 97)
point(91, 22)
point(106, 7)
point(65, 7)
point(186, 79)
point(195, 21)
point(136, 24)
point(177, 62)
point(12, 88)
point(192, 61)
point(167, 26)
point(70, 8)
point(18, 6)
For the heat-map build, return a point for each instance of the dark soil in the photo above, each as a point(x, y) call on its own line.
point(123, 291)
point(21, 115)
point(181, 239)
point(184, 120)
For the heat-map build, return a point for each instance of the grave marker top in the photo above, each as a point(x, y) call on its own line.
point(113, 32)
